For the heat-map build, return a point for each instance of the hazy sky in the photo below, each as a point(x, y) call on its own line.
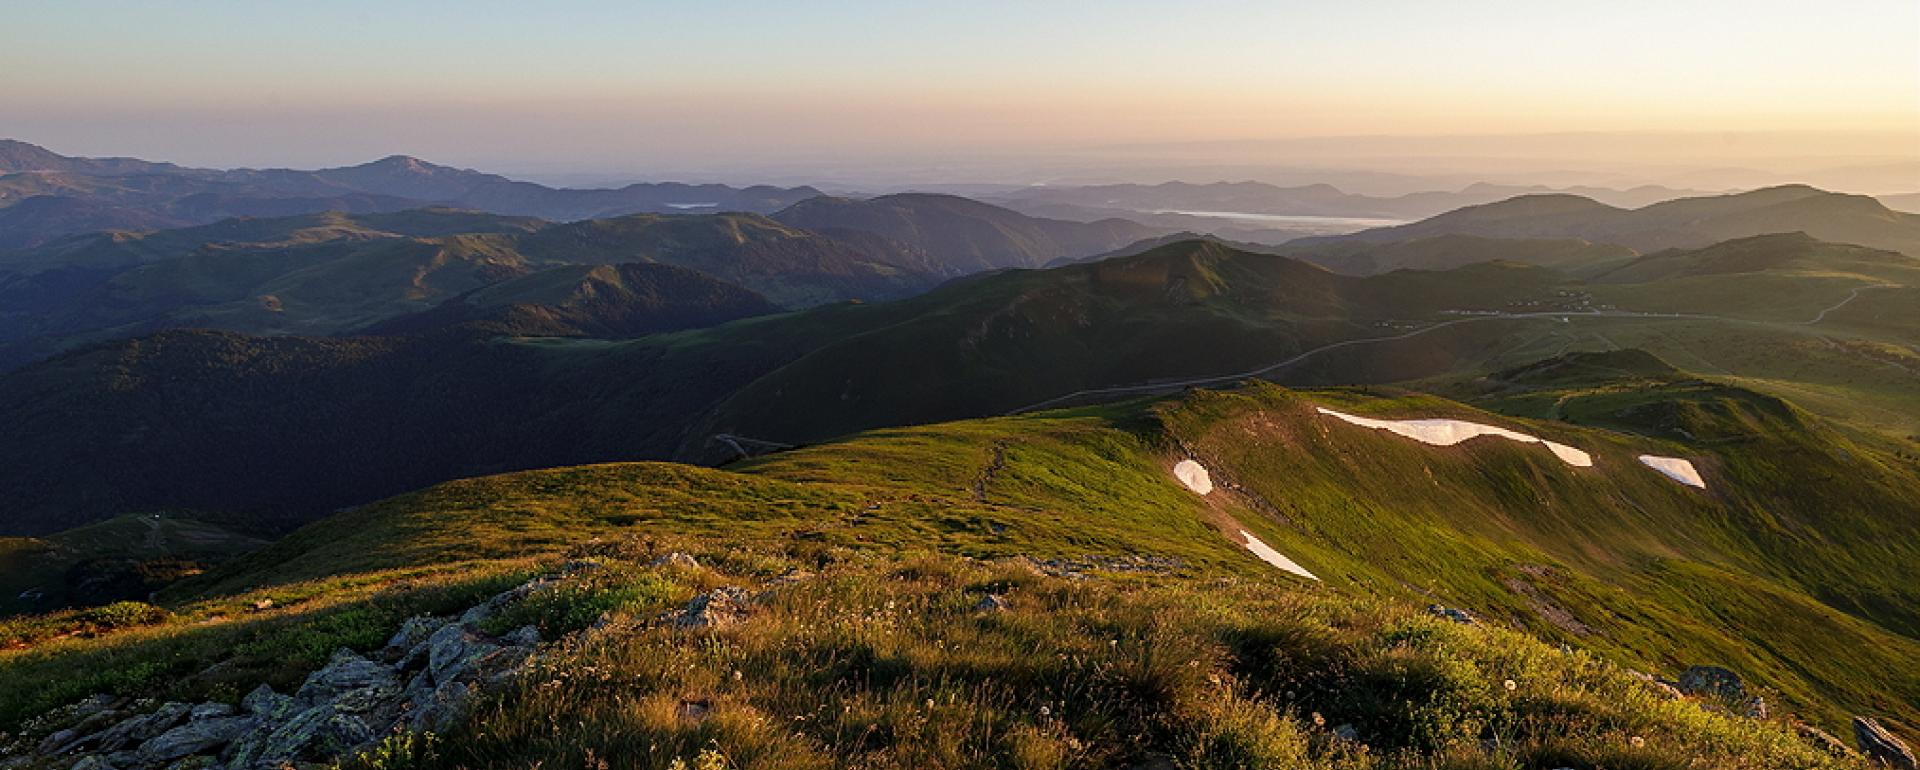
point(684, 85)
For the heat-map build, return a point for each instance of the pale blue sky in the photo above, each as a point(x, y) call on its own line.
point(263, 82)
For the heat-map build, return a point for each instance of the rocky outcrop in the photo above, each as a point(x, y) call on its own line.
point(423, 679)
point(1451, 613)
point(1713, 682)
point(715, 608)
point(1881, 746)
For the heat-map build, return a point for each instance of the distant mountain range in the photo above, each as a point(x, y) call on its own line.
point(333, 273)
point(1259, 211)
point(189, 418)
point(1680, 223)
point(960, 235)
point(64, 195)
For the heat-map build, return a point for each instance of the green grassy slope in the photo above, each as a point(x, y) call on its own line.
point(121, 558)
point(1798, 522)
point(1800, 584)
point(1443, 252)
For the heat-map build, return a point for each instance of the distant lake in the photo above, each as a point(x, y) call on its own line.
point(1294, 221)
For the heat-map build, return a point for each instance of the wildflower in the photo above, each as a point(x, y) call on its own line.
point(1637, 741)
point(1510, 685)
point(1045, 711)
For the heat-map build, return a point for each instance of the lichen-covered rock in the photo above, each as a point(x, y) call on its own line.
point(1660, 686)
point(676, 559)
point(453, 651)
point(413, 632)
point(479, 613)
point(991, 603)
point(319, 732)
point(342, 708)
point(140, 729)
point(718, 607)
point(1823, 740)
point(1451, 613)
point(266, 704)
point(92, 762)
point(1713, 682)
point(1880, 744)
point(194, 737)
point(350, 683)
point(524, 636)
point(210, 710)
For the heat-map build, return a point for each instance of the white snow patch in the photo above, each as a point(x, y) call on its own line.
point(1194, 475)
point(1443, 432)
point(1675, 468)
point(1273, 557)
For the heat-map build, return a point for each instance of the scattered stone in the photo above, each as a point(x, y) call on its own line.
point(719, 607)
point(992, 603)
point(676, 559)
point(1757, 708)
point(1882, 746)
point(1661, 686)
point(1713, 681)
point(695, 710)
point(1450, 613)
point(1823, 740)
point(262, 605)
point(1347, 732)
point(793, 575)
point(92, 762)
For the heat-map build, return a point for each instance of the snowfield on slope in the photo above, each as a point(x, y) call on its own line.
point(1196, 478)
point(1444, 432)
point(1193, 475)
point(1273, 557)
point(1675, 468)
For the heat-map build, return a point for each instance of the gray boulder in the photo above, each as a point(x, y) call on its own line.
point(413, 632)
point(1713, 682)
point(1880, 745)
point(1451, 613)
point(317, 733)
point(715, 608)
point(676, 559)
point(347, 677)
point(266, 704)
point(1822, 740)
point(140, 729)
point(210, 710)
point(194, 737)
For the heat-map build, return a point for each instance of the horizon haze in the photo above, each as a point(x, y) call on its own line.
point(865, 95)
